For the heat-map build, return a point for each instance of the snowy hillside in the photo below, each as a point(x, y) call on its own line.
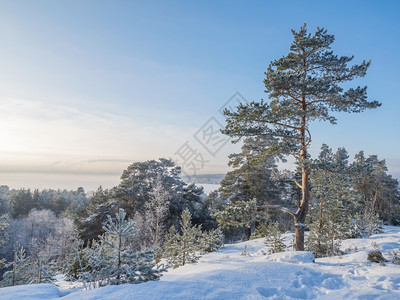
point(228, 274)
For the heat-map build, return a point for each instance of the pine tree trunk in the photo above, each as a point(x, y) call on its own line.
point(299, 229)
point(305, 192)
point(119, 254)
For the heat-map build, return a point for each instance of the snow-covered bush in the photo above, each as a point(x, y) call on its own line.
point(395, 257)
point(212, 240)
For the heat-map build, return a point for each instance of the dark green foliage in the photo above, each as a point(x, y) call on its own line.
point(378, 190)
point(90, 220)
point(254, 178)
point(253, 174)
point(239, 214)
point(138, 181)
point(22, 203)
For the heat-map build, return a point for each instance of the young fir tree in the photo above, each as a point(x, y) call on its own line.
point(183, 248)
point(304, 86)
point(112, 261)
point(171, 247)
point(274, 239)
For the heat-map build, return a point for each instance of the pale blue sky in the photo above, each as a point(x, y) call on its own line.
point(88, 87)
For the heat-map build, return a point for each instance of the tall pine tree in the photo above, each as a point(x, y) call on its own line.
point(303, 86)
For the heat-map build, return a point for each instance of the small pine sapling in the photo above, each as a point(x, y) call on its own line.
point(274, 240)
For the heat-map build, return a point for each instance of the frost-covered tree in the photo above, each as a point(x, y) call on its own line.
point(90, 221)
point(156, 210)
point(43, 270)
point(304, 86)
point(112, 261)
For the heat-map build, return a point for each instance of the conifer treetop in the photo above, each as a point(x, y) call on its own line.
point(307, 82)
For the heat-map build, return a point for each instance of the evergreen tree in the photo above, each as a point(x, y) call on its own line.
point(303, 86)
point(94, 215)
point(333, 197)
point(183, 248)
point(20, 272)
point(253, 177)
point(253, 174)
point(112, 261)
point(171, 247)
point(274, 239)
point(379, 191)
point(139, 180)
point(212, 240)
point(22, 203)
point(239, 214)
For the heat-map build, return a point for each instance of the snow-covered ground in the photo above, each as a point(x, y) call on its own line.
point(229, 275)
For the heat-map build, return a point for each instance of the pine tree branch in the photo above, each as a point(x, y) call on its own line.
point(287, 126)
point(298, 184)
point(277, 123)
point(309, 140)
point(284, 209)
point(293, 97)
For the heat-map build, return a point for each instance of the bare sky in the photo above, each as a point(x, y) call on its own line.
point(89, 87)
